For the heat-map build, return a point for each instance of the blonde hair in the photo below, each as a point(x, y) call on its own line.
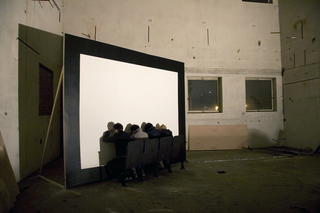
point(157, 126)
point(163, 126)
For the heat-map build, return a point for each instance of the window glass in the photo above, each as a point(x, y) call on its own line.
point(45, 90)
point(204, 95)
point(259, 95)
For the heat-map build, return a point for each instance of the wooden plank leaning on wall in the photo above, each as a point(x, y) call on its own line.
point(9, 185)
point(217, 137)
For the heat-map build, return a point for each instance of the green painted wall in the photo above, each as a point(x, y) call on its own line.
point(37, 46)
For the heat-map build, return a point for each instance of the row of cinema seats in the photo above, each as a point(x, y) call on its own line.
point(141, 153)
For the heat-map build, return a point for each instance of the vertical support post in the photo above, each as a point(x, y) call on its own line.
point(148, 34)
point(301, 23)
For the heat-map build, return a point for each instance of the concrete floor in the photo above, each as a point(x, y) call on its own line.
point(257, 180)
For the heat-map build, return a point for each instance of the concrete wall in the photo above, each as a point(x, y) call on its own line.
point(178, 30)
point(212, 38)
point(29, 13)
point(263, 127)
point(299, 22)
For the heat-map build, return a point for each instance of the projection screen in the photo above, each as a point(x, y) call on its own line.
point(125, 93)
point(104, 83)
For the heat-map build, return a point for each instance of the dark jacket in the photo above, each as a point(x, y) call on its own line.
point(153, 133)
point(166, 133)
point(120, 140)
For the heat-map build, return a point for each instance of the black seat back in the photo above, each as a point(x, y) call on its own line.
point(134, 154)
point(178, 149)
point(165, 148)
point(151, 151)
point(178, 146)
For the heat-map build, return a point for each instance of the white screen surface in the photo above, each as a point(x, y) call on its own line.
point(125, 93)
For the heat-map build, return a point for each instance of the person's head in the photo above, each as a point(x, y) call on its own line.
point(157, 126)
point(110, 125)
point(143, 125)
point(163, 126)
point(127, 129)
point(148, 127)
point(118, 127)
point(134, 128)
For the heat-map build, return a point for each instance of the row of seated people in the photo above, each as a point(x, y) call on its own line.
point(115, 134)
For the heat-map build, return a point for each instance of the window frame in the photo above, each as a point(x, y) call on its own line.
point(257, 1)
point(273, 93)
point(219, 93)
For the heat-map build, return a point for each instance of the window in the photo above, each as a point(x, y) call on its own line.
point(45, 90)
point(261, 94)
point(204, 94)
point(259, 1)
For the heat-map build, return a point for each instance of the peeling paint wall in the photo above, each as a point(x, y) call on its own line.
point(229, 39)
point(299, 24)
point(263, 127)
point(205, 34)
point(14, 12)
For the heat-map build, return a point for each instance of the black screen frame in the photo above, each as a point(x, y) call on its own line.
point(74, 46)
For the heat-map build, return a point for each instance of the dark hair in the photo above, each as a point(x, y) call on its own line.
point(118, 126)
point(134, 127)
point(147, 127)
